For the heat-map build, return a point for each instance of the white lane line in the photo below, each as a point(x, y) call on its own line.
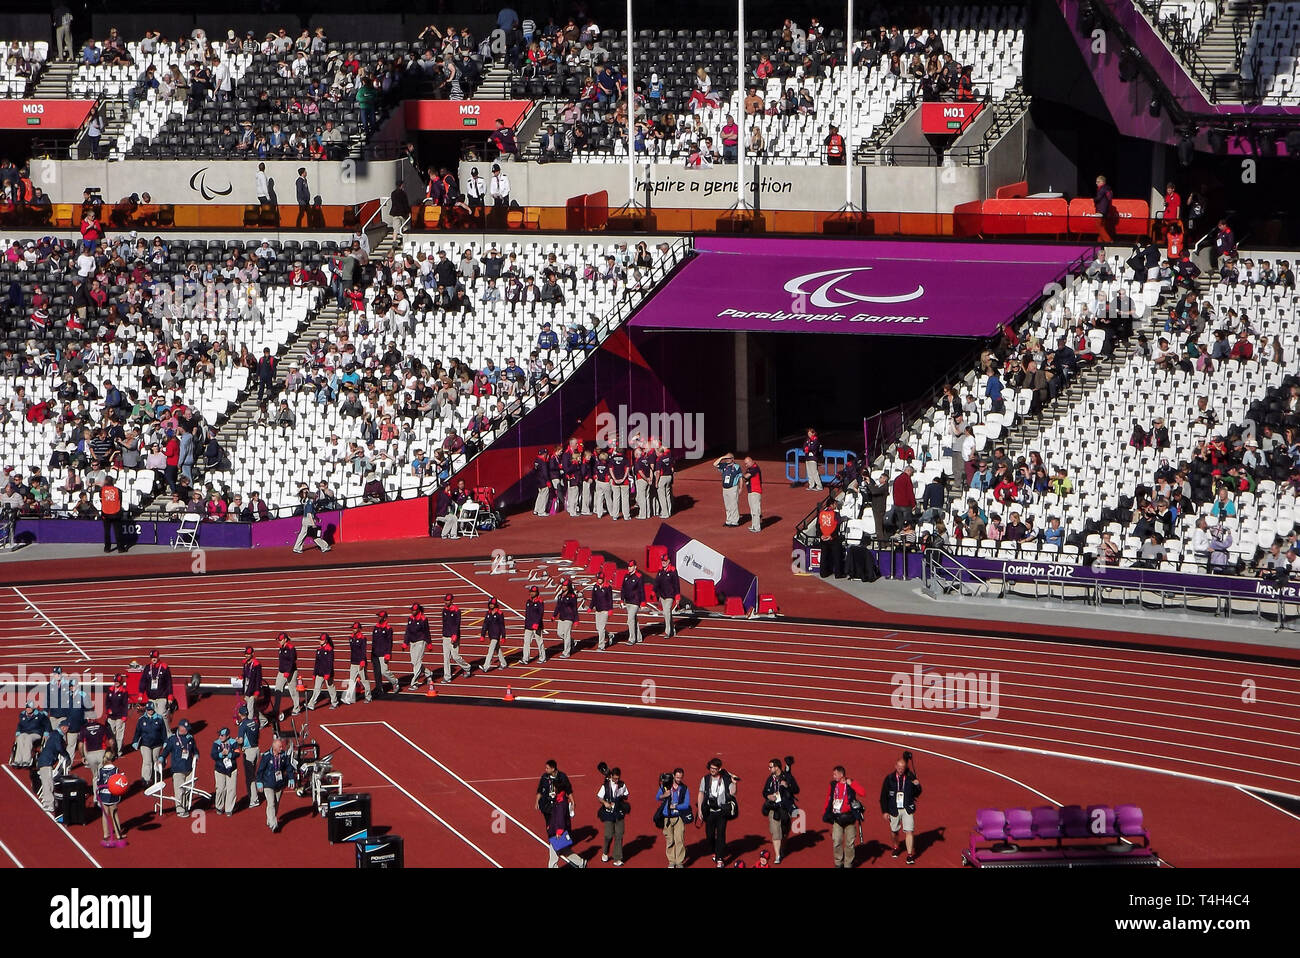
point(50, 622)
point(11, 855)
point(446, 824)
point(26, 791)
point(478, 588)
point(843, 727)
point(491, 804)
point(1265, 801)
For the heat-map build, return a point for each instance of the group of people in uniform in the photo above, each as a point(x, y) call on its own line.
point(586, 483)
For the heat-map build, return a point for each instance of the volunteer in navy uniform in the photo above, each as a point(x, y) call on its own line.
point(33, 723)
point(54, 749)
point(357, 664)
point(644, 470)
point(156, 684)
point(534, 611)
point(274, 773)
point(451, 639)
point(571, 464)
point(664, 482)
point(150, 733)
point(633, 595)
point(247, 733)
point(717, 792)
point(812, 458)
point(588, 481)
point(56, 696)
point(323, 672)
point(668, 588)
point(620, 477)
point(179, 755)
point(108, 801)
point(542, 473)
point(78, 707)
point(117, 701)
point(549, 786)
point(415, 641)
point(731, 471)
point(604, 501)
point(842, 816)
point(250, 683)
point(494, 630)
point(613, 796)
point(898, 795)
point(675, 808)
point(286, 673)
point(566, 615)
point(381, 651)
point(225, 762)
point(94, 736)
point(602, 601)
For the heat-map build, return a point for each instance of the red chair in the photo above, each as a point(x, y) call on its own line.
point(594, 564)
point(582, 556)
point(705, 595)
point(735, 606)
point(767, 604)
point(570, 549)
point(654, 557)
point(650, 596)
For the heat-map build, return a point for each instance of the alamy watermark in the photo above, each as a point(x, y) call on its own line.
point(679, 431)
point(949, 691)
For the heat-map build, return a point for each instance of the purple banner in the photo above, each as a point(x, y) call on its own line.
point(861, 287)
point(215, 535)
point(695, 560)
point(284, 532)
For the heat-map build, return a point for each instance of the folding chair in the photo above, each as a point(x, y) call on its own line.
point(187, 532)
point(467, 520)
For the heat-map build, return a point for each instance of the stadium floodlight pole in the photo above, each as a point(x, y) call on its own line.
point(631, 115)
point(848, 120)
point(740, 88)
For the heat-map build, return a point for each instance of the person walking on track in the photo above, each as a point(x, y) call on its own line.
point(274, 773)
point(668, 589)
point(179, 755)
point(451, 616)
point(843, 813)
point(494, 630)
point(633, 595)
point(117, 702)
point(156, 684)
point(310, 528)
point(250, 683)
point(534, 611)
point(898, 795)
point(247, 734)
point(566, 615)
point(225, 763)
point(381, 650)
point(415, 641)
point(150, 733)
point(674, 798)
point(730, 470)
point(108, 782)
point(286, 673)
point(602, 601)
point(53, 753)
point(356, 665)
point(323, 673)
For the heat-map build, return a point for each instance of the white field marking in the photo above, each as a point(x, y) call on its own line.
point(479, 588)
point(12, 858)
point(1265, 801)
point(49, 621)
point(431, 812)
point(821, 711)
point(491, 804)
point(810, 723)
point(60, 825)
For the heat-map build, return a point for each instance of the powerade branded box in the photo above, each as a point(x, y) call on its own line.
point(348, 817)
point(383, 852)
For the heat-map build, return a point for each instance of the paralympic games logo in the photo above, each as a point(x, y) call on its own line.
point(198, 183)
point(821, 296)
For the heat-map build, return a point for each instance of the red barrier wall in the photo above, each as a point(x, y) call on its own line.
point(403, 519)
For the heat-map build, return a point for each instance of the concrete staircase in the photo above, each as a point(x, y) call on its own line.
point(495, 84)
point(56, 81)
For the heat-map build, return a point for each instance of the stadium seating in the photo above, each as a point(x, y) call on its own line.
point(275, 458)
point(1271, 54)
point(20, 65)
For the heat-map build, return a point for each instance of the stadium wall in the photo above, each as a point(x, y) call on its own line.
point(216, 182)
point(403, 519)
point(802, 188)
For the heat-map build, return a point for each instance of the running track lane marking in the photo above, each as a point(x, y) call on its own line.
point(1265, 801)
point(846, 728)
point(491, 804)
point(436, 816)
point(26, 791)
point(474, 585)
point(50, 622)
point(11, 855)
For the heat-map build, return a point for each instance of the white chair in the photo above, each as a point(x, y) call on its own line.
point(467, 520)
point(187, 532)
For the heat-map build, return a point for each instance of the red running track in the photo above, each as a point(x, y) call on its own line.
point(1203, 717)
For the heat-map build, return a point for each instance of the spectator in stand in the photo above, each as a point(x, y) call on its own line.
point(1104, 204)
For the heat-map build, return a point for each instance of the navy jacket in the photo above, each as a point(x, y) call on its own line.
point(602, 598)
point(287, 660)
point(381, 641)
point(116, 701)
point(533, 613)
point(451, 621)
point(77, 708)
point(633, 591)
point(357, 649)
point(248, 732)
point(324, 666)
point(667, 585)
point(494, 626)
point(252, 680)
point(179, 752)
point(56, 698)
point(149, 732)
point(303, 191)
point(417, 629)
point(156, 682)
point(889, 789)
point(275, 772)
point(566, 607)
point(38, 723)
point(52, 749)
point(224, 756)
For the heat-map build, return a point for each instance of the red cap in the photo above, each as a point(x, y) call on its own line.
point(282, 637)
point(248, 650)
point(325, 638)
point(153, 654)
point(448, 597)
point(533, 590)
point(381, 615)
point(356, 626)
point(415, 607)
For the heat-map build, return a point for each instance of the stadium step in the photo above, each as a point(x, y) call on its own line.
point(495, 85)
point(55, 82)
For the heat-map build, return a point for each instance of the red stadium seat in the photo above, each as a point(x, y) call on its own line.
point(569, 550)
point(582, 556)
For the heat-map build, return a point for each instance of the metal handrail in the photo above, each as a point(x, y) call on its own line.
point(932, 565)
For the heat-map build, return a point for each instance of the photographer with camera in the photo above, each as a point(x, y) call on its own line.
point(613, 811)
point(779, 792)
point(898, 795)
point(718, 806)
point(843, 813)
point(673, 814)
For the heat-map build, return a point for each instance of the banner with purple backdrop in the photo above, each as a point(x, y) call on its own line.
point(695, 560)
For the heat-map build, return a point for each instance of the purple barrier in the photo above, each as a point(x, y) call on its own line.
point(866, 287)
point(216, 535)
point(284, 532)
point(695, 560)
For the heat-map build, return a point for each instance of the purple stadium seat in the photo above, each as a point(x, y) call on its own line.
point(1047, 822)
point(1074, 822)
point(1101, 821)
point(1128, 822)
point(1020, 824)
point(990, 825)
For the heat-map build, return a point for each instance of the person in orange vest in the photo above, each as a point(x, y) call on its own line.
point(965, 87)
point(110, 509)
point(834, 147)
point(1174, 241)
